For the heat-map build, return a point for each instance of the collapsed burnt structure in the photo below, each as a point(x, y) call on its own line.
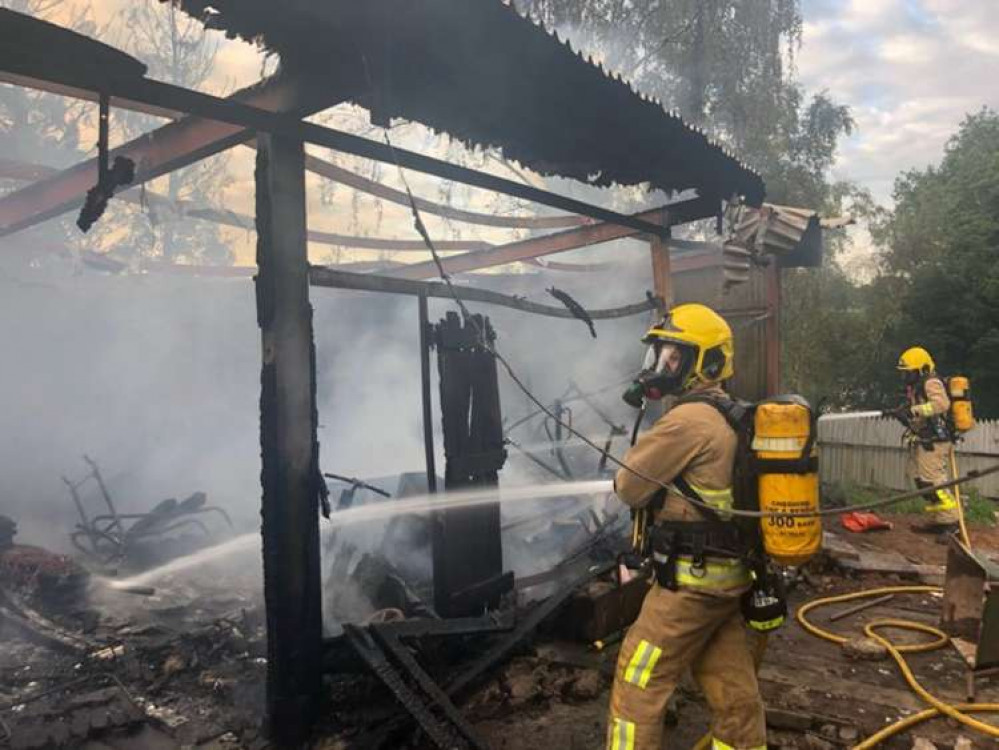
point(440, 63)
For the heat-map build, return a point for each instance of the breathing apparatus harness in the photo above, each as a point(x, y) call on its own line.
point(715, 536)
point(928, 430)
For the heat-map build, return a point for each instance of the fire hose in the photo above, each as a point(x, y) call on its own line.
point(938, 706)
point(959, 712)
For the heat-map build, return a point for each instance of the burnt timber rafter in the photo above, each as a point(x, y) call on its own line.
point(12, 169)
point(166, 149)
point(571, 239)
point(335, 279)
point(321, 167)
point(242, 115)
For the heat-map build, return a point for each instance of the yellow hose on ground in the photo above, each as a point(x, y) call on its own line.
point(958, 712)
point(957, 496)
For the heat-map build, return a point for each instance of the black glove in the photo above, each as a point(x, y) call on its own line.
point(901, 413)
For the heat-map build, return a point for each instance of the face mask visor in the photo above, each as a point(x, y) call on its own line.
point(664, 372)
point(664, 358)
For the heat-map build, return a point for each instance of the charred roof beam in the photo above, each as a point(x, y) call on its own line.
point(245, 115)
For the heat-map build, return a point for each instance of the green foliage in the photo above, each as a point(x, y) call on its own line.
point(978, 510)
point(726, 65)
point(942, 239)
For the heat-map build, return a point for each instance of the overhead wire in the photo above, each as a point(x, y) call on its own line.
point(956, 712)
point(543, 408)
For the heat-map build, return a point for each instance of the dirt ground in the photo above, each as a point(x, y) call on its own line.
point(917, 547)
point(197, 659)
point(801, 674)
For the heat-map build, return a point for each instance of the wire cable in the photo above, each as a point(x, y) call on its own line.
point(488, 346)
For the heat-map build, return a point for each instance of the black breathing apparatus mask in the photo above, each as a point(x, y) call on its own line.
point(664, 372)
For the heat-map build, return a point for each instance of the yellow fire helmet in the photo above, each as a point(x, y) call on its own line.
point(705, 334)
point(916, 359)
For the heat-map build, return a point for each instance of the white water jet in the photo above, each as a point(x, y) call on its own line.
point(374, 511)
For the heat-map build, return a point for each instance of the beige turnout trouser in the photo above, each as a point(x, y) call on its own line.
point(931, 465)
point(689, 628)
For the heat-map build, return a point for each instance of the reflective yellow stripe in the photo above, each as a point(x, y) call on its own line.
point(623, 737)
point(717, 744)
point(716, 573)
point(923, 410)
point(720, 499)
point(781, 444)
point(643, 661)
point(947, 502)
point(766, 625)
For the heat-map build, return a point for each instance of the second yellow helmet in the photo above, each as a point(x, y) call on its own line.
point(916, 359)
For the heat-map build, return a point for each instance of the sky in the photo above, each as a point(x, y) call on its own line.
point(910, 70)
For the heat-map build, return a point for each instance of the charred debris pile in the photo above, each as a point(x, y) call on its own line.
point(123, 644)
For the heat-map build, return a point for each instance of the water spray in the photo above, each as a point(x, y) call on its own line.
point(376, 511)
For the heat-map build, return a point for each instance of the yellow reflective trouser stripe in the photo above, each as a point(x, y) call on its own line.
point(624, 735)
point(643, 661)
point(765, 625)
point(947, 502)
point(713, 574)
point(717, 744)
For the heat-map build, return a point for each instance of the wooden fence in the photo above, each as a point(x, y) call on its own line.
point(869, 453)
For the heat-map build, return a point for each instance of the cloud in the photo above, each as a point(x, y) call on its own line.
point(910, 70)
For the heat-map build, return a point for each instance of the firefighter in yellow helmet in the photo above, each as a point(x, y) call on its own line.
point(928, 436)
point(691, 617)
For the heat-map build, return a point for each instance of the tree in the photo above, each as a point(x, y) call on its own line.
point(728, 65)
point(940, 244)
point(41, 128)
point(177, 49)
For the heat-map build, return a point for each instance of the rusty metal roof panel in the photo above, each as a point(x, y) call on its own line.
point(45, 46)
point(489, 77)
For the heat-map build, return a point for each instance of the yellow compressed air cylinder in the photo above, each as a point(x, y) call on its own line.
point(960, 403)
point(788, 480)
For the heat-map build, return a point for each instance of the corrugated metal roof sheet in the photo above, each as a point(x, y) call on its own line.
point(483, 74)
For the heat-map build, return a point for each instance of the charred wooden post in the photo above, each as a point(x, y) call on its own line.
point(467, 549)
point(428, 428)
point(661, 273)
point(289, 450)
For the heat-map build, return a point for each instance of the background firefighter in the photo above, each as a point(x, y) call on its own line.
point(928, 435)
point(692, 619)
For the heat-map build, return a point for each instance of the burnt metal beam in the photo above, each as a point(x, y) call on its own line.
point(247, 116)
point(289, 450)
point(335, 279)
point(170, 147)
point(571, 239)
